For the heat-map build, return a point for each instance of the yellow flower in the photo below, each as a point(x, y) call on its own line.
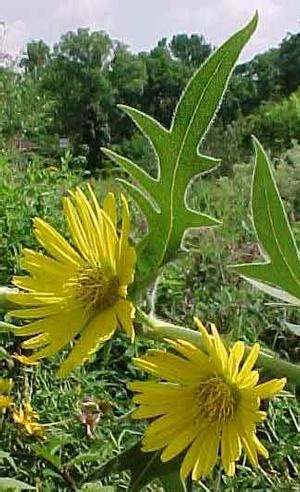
point(205, 401)
point(77, 292)
point(5, 387)
point(29, 419)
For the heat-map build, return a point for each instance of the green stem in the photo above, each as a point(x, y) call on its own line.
point(159, 330)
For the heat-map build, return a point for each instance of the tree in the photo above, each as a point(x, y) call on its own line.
point(128, 77)
point(190, 50)
point(35, 58)
point(77, 80)
point(24, 112)
point(166, 78)
point(289, 63)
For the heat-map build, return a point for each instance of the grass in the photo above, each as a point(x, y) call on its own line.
point(198, 284)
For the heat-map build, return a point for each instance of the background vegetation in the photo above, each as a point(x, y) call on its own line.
point(71, 91)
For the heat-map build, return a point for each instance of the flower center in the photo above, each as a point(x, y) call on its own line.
point(216, 399)
point(95, 288)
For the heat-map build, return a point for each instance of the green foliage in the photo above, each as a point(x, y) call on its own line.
point(191, 50)
point(76, 81)
point(197, 285)
point(71, 91)
point(24, 111)
point(29, 187)
point(163, 199)
point(289, 63)
point(36, 58)
point(144, 468)
point(280, 274)
point(277, 125)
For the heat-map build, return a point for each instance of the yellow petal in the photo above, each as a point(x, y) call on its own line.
point(45, 268)
point(36, 342)
point(168, 366)
point(179, 443)
point(96, 333)
point(248, 381)
point(249, 363)
point(193, 353)
point(250, 448)
point(37, 312)
point(235, 357)
point(154, 389)
point(230, 446)
point(55, 244)
point(269, 389)
point(207, 453)
point(23, 359)
point(127, 254)
point(162, 431)
point(191, 457)
point(220, 351)
point(76, 230)
point(89, 225)
point(259, 446)
point(125, 313)
point(206, 338)
point(109, 207)
point(61, 330)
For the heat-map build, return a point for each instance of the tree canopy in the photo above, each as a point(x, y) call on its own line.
point(72, 89)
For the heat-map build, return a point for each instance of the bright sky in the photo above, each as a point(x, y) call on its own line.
point(141, 23)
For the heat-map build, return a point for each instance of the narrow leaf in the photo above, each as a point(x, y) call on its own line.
point(279, 275)
point(163, 199)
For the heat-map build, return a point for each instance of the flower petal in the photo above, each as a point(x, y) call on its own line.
point(179, 443)
point(109, 207)
point(55, 244)
point(207, 453)
point(235, 357)
point(249, 363)
point(125, 313)
point(100, 329)
point(230, 446)
point(269, 389)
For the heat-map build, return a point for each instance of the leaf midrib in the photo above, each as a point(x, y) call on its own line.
point(170, 228)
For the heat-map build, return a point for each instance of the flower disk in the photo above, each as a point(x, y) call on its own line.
point(77, 292)
point(206, 402)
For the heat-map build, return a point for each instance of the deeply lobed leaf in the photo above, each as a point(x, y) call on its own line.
point(163, 199)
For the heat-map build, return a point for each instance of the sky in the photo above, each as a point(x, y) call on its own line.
point(141, 23)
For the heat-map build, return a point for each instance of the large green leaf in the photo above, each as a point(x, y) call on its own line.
point(143, 468)
point(163, 199)
point(279, 275)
